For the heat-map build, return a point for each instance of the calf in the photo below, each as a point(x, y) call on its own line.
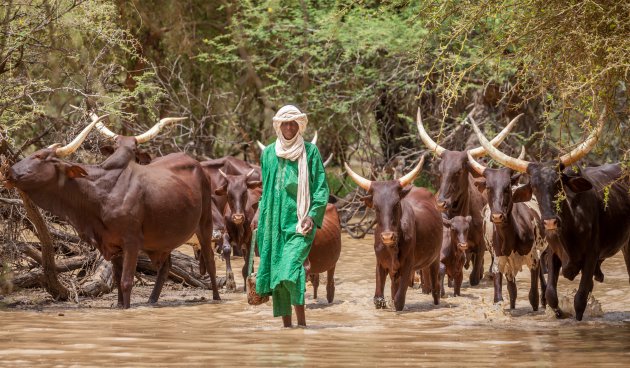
point(453, 252)
point(408, 234)
point(514, 232)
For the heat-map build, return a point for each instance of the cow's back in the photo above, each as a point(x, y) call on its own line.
point(326, 246)
point(428, 226)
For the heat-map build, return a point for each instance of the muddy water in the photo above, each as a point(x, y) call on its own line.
point(350, 331)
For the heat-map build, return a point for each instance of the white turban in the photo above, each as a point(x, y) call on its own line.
point(293, 149)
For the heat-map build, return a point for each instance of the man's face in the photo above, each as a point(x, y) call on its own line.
point(289, 129)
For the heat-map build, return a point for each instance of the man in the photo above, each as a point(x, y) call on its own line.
point(293, 203)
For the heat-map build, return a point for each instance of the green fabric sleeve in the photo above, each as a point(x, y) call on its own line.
point(318, 186)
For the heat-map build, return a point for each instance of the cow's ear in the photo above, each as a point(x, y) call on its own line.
point(577, 184)
point(143, 158)
point(254, 184)
point(446, 222)
point(522, 193)
point(404, 191)
point(468, 219)
point(368, 200)
point(75, 171)
point(515, 178)
point(480, 184)
point(221, 191)
point(107, 150)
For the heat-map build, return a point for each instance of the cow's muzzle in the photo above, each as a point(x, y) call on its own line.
point(389, 238)
point(498, 218)
point(462, 246)
point(551, 224)
point(238, 218)
point(442, 205)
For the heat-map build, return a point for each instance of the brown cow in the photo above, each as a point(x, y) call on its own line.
point(514, 232)
point(325, 252)
point(242, 196)
point(457, 195)
point(592, 222)
point(452, 254)
point(408, 234)
point(122, 207)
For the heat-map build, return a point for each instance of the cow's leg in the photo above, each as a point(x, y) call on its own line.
point(130, 262)
point(585, 288)
point(400, 283)
point(459, 278)
point(543, 283)
point(426, 281)
point(315, 282)
point(226, 254)
point(330, 285)
point(379, 298)
point(442, 273)
point(477, 270)
point(164, 266)
point(626, 256)
point(511, 286)
point(204, 235)
point(534, 297)
point(498, 286)
point(551, 294)
point(434, 274)
point(117, 266)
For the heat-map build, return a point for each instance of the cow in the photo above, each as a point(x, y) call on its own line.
point(457, 195)
point(325, 252)
point(408, 234)
point(585, 212)
point(452, 254)
point(514, 231)
point(122, 207)
point(241, 195)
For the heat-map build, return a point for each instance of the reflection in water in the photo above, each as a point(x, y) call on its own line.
point(348, 332)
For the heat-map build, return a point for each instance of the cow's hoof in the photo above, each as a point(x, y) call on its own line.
point(560, 314)
point(380, 303)
point(230, 284)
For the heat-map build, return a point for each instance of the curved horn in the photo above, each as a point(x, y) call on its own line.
point(76, 142)
point(521, 156)
point(502, 158)
point(361, 181)
point(102, 128)
point(425, 137)
point(408, 179)
point(314, 140)
point(479, 168)
point(153, 132)
point(583, 148)
point(223, 174)
point(328, 160)
point(261, 146)
point(496, 141)
point(248, 174)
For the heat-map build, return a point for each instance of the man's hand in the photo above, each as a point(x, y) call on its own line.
point(307, 225)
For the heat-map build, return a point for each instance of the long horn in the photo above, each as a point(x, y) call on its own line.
point(153, 132)
point(408, 179)
point(496, 141)
point(328, 160)
point(583, 148)
point(430, 143)
point(521, 156)
point(479, 168)
point(502, 158)
point(361, 181)
point(248, 174)
point(101, 127)
point(314, 140)
point(223, 174)
point(76, 142)
point(261, 146)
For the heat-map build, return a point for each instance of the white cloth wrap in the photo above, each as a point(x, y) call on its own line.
point(293, 149)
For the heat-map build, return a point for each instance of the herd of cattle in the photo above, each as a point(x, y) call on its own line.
point(538, 214)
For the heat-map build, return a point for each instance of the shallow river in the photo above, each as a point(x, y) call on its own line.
point(349, 332)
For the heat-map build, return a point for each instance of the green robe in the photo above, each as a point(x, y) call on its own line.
point(283, 251)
